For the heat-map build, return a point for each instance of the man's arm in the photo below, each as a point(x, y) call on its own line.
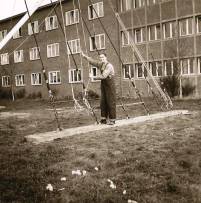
point(92, 61)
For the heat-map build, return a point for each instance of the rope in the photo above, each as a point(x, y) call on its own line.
point(77, 106)
point(135, 49)
point(51, 96)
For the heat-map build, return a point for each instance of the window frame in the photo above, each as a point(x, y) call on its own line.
point(53, 50)
point(58, 82)
point(38, 79)
point(3, 61)
point(71, 74)
point(68, 13)
point(19, 59)
point(6, 83)
point(23, 79)
point(94, 14)
point(100, 45)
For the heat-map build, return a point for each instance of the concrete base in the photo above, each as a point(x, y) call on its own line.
point(50, 136)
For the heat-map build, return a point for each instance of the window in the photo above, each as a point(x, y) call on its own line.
point(6, 81)
point(169, 30)
point(198, 22)
point(128, 70)
point(54, 77)
point(34, 53)
point(52, 50)
point(33, 28)
point(19, 80)
point(18, 56)
point(75, 75)
point(94, 71)
point(186, 26)
point(126, 37)
point(141, 70)
point(3, 33)
point(4, 59)
point(74, 46)
point(199, 65)
point(156, 68)
point(126, 5)
point(95, 10)
point(18, 34)
point(139, 35)
point(170, 67)
point(51, 23)
point(97, 41)
point(138, 3)
point(36, 79)
point(187, 66)
point(154, 32)
point(72, 17)
point(152, 2)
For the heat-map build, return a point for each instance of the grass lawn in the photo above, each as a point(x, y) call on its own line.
point(153, 162)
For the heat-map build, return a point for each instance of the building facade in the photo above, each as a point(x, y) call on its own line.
point(166, 32)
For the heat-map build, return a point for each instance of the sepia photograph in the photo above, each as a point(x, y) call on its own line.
point(100, 101)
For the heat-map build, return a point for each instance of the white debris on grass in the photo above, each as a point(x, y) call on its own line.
point(63, 179)
point(79, 173)
point(124, 192)
point(112, 185)
point(84, 172)
point(61, 189)
point(96, 168)
point(131, 201)
point(49, 187)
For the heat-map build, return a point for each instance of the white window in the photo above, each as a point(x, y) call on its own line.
point(34, 53)
point(51, 23)
point(36, 79)
point(156, 68)
point(170, 67)
point(18, 34)
point(154, 32)
point(169, 30)
point(95, 72)
point(4, 59)
point(54, 77)
point(151, 2)
point(128, 70)
point(19, 80)
point(141, 70)
point(3, 33)
point(95, 10)
point(33, 27)
point(18, 56)
point(138, 3)
point(6, 81)
point(75, 75)
point(97, 42)
point(74, 46)
point(139, 34)
point(52, 50)
point(125, 37)
point(198, 24)
point(186, 27)
point(72, 17)
point(199, 65)
point(187, 66)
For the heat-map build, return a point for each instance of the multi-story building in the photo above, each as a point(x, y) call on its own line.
point(166, 32)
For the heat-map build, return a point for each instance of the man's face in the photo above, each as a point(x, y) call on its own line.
point(103, 58)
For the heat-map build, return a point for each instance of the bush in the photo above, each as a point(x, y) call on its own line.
point(35, 95)
point(5, 93)
point(187, 89)
point(171, 84)
point(92, 95)
point(20, 94)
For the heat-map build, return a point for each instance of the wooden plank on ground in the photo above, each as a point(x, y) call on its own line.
point(50, 136)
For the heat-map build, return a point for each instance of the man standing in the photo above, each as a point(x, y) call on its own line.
point(108, 91)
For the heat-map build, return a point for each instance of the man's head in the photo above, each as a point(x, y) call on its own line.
point(103, 58)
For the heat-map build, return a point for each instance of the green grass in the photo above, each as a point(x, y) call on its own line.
point(155, 162)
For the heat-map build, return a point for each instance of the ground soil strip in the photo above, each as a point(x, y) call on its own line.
point(53, 135)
